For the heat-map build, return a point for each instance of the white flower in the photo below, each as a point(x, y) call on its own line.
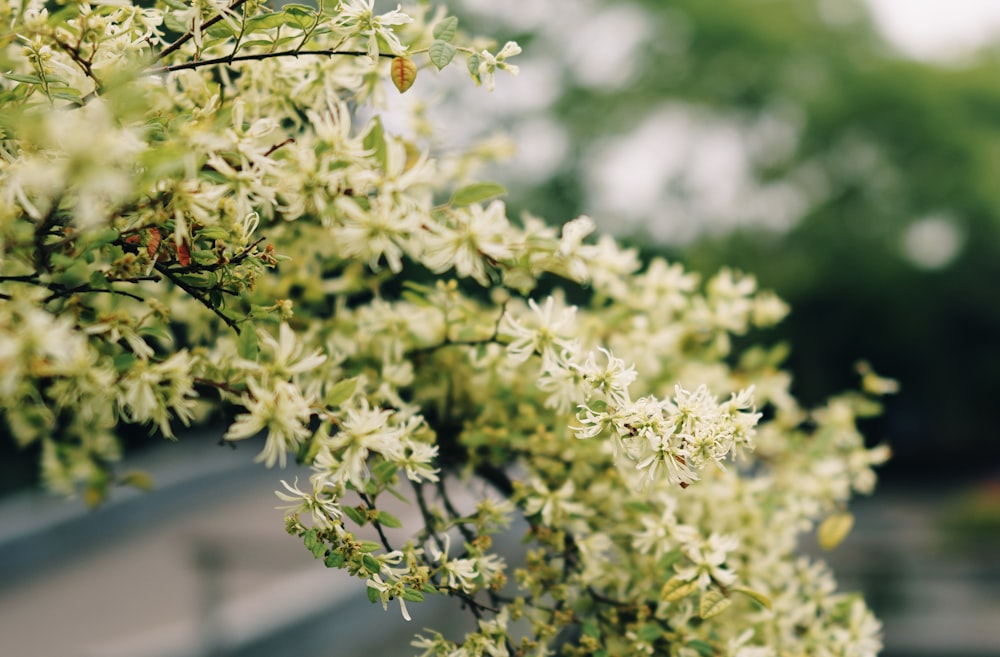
point(324, 510)
point(281, 410)
point(476, 236)
point(488, 64)
point(547, 329)
point(707, 559)
point(358, 17)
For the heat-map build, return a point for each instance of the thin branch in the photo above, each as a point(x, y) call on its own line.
point(429, 521)
point(197, 294)
point(230, 59)
point(173, 47)
point(378, 526)
point(453, 512)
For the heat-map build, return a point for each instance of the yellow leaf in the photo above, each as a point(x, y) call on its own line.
point(712, 603)
point(834, 529)
point(677, 588)
point(403, 72)
point(756, 596)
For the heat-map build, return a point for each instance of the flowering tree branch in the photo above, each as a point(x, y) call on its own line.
point(391, 328)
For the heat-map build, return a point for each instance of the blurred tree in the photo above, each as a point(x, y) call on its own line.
point(868, 199)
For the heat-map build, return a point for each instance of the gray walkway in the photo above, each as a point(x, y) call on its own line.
point(202, 566)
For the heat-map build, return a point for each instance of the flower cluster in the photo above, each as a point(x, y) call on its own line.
point(202, 214)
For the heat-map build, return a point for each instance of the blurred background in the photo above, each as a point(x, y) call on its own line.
point(844, 152)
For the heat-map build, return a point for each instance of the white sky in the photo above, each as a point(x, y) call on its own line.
point(937, 28)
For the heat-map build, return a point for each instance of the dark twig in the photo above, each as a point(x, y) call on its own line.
point(255, 57)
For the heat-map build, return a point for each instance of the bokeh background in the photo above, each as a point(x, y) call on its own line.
point(847, 153)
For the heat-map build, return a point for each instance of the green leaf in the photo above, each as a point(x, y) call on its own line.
point(446, 29)
point(373, 595)
point(712, 603)
point(703, 648)
point(375, 141)
point(676, 588)
point(388, 520)
point(124, 362)
point(27, 79)
point(834, 529)
point(247, 345)
point(311, 538)
point(473, 63)
point(476, 192)
point(213, 233)
point(756, 596)
point(371, 564)
point(355, 514)
point(265, 21)
point(650, 633)
point(368, 546)
point(412, 595)
point(341, 392)
point(334, 560)
point(299, 16)
point(670, 558)
point(71, 95)
point(384, 471)
point(158, 331)
point(598, 405)
point(98, 280)
point(441, 53)
point(222, 30)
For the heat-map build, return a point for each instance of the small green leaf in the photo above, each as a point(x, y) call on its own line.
point(124, 362)
point(355, 514)
point(712, 603)
point(476, 192)
point(213, 233)
point(441, 53)
point(670, 558)
point(473, 63)
point(247, 346)
point(158, 331)
point(598, 405)
point(27, 79)
point(389, 520)
point(373, 595)
point(413, 595)
point(650, 633)
point(368, 546)
point(341, 392)
point(371, 564)
point(311, 538)
point(677, 588)
point(446, 29)
point(756, 596)
point(703, 648)
point(374, 141)
point(834, 529)
point(299, 16)
point(265, 21)
point(384, 471)
point(98, 280)
point(334, 560)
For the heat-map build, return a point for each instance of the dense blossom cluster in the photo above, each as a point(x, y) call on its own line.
point(202, 215)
